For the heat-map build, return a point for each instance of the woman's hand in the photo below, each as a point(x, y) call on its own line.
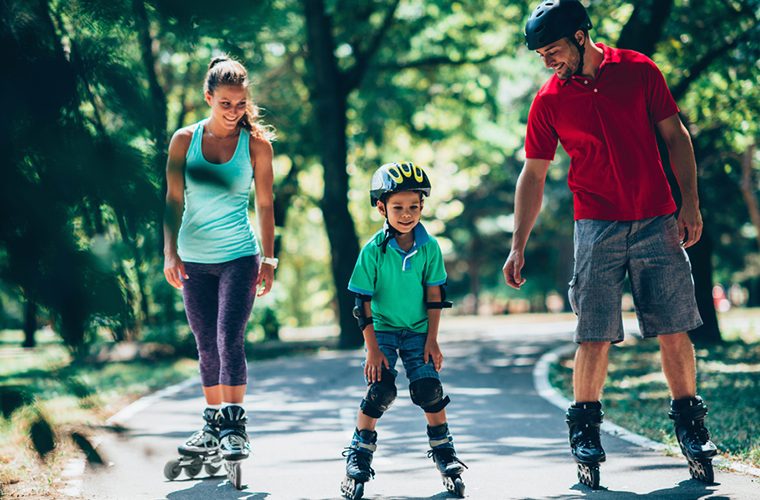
point(373, 366)
point(174, 270)
point(266, 276)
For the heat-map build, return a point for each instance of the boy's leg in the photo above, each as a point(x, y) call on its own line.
point(437, 418)
point(425, 386)
point(380, 395)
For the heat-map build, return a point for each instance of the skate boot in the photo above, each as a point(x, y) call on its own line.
point(688, 415)
point(358, 462)
point(200, 451)
point(443, 454)
point(583, 420)
point(234, 445)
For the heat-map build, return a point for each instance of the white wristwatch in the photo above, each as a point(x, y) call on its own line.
point(272, 261)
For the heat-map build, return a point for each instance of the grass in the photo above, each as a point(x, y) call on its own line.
point(78, 398)
point(72, 397)
point(636, 394)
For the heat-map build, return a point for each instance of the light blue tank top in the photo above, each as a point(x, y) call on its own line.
point(215, 226)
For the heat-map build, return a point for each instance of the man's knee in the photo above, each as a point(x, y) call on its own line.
point(380, 395)
point(427, 393)
point(675, 340)
point(594, 347)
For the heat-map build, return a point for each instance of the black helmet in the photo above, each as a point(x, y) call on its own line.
point(395, 177)
point(553, 20)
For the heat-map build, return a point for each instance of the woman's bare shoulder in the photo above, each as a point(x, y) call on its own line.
point(181, 139)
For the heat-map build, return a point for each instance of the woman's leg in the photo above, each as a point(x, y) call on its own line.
point(200, 295)
point(236, 294)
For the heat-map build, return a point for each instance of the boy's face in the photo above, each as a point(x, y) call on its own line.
point(402, 209)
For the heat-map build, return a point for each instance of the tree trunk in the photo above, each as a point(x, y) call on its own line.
point(709, 332)
point(748, 190)
point(329, 124)
point(641, 33)
point(644, 28)
point(30, 323)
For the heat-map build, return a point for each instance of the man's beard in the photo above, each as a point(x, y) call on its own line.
point(566, 72)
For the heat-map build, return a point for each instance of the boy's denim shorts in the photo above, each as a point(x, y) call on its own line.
point(411, 346)
point(650, 253)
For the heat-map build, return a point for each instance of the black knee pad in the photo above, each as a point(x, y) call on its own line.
point(427, 393)
point(380, 395)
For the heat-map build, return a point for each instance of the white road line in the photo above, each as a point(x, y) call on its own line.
point(549, 393)
point(75, 468)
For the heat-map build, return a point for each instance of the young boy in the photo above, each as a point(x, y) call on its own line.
point(398, 281)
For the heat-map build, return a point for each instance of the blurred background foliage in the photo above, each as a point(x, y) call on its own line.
point(92, 90)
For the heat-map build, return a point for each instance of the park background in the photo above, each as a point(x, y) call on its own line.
point(92, 91)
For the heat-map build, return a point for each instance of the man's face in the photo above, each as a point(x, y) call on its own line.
point(562, 56)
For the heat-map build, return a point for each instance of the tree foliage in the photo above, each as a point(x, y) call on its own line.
point(94, 89)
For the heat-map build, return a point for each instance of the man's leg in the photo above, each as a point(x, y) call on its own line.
point(590, 370)
point(679, 364)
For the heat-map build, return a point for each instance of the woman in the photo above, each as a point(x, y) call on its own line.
point(211, 252)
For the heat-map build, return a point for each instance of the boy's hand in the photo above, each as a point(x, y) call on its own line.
point(373, 366)
point(433, 351)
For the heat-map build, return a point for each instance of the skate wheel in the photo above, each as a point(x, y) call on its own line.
point(702, 470)
point(212, 469)
point(194, 468)
point(459, 487)
point(234, 474)
point(172, 470)
point(589, 475)
point(351, 489)
point(454, 485)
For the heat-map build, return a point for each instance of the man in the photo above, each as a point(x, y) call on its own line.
point(603, 105)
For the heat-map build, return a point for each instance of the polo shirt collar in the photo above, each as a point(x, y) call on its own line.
point(421, 237)
point(610, 56)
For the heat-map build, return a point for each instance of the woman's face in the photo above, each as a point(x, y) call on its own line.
point(228, 104)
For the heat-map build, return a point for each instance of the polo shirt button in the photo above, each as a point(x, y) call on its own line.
point(585, 82)
point(596, 90)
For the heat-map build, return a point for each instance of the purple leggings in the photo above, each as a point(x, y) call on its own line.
point(218, 302)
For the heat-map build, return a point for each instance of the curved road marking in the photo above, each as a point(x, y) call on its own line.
point(552, 395)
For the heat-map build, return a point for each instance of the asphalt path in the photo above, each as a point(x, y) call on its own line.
point(302, 412)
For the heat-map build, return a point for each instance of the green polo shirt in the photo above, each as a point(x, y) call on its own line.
point(396, 279)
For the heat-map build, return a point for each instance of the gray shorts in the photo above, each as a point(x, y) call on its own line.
point(658, 268)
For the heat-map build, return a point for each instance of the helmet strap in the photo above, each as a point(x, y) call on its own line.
point(390, 233)
point(582, 51)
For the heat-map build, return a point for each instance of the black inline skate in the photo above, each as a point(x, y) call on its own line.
point(583, 420)
point(234, 445)
point(200, 451)
point(688, 415)
point(358, 463)
point(443, 454)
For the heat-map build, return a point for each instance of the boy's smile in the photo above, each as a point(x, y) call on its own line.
point(403, 210)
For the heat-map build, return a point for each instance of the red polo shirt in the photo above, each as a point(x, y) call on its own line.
point(607, 127)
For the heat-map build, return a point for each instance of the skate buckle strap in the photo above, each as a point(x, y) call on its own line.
point(439, 442)
point(366, 446)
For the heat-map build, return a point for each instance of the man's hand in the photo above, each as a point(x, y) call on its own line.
point(512, 268)
point(689, 224)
